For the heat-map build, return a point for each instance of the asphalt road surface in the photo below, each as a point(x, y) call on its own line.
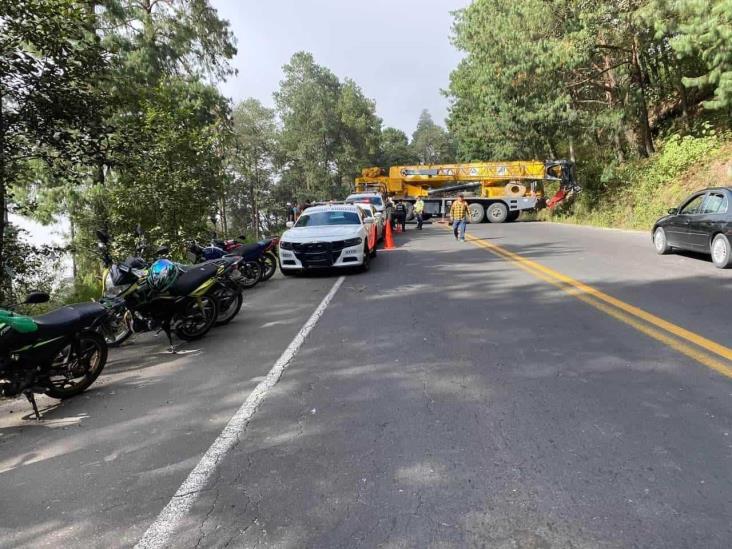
point(538, 386)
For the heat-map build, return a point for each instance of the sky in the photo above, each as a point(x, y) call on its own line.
point(398, 51)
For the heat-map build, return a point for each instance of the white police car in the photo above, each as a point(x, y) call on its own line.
point(328, 236)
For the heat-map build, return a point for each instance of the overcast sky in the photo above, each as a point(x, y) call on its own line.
point(398, 51)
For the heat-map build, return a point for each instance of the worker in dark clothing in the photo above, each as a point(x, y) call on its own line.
point(401, 214)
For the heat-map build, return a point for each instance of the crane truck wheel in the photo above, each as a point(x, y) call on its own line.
point(497, 212)
point(513, 216)
point(476, 212)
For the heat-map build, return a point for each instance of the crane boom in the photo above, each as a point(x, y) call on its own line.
point(502, 189)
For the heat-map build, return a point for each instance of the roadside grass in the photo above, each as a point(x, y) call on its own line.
point(633, 195)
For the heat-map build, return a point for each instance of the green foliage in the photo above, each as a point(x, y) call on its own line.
point(705, 29)
point(395, 149)
point(250, 201)
point(49, 120)
point(30, 268)
point(329, 129)
point(546, 78)
point(431, 144)
point(170, 177)
point(635, 194)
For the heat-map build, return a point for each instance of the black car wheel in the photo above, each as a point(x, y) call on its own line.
point(366, 265)
point(721, 255)
point(660, 242)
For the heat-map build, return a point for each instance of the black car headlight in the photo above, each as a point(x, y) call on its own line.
point(352, 242)
point(285, 245)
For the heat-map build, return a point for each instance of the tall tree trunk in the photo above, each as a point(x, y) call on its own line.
point(571, 148)
point(255, 186)
point(3, 201)
point(610, 86)
point(646, 145)
point(72, 236)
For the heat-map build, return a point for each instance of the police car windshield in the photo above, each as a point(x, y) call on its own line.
point(335, 217)
point(375, 200)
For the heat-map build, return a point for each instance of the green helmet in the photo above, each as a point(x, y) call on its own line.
point(162, 275)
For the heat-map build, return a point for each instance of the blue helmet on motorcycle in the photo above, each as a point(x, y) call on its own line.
point(162, 275)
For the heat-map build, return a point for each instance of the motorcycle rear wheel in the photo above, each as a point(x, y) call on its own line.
point(228, 305)
point(195, 321)
point(117, 329)
point(86, 367)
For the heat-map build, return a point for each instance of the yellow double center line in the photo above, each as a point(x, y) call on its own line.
point(699, 348)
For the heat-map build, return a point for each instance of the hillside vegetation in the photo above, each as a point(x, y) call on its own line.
point(635, 194)
point(638, 92)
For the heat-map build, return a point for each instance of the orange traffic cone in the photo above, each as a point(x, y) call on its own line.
point(388, 238)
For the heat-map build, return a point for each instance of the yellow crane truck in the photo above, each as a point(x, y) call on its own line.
point(495, 191)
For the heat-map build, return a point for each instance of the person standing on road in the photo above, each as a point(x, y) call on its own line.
point(418, 211)
point(401, 214)
point(390, 212)
point(459, 216)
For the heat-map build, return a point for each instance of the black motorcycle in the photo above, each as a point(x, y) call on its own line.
point(59, 354)
point(250, 268)
point(262, 251)
point(189, 307)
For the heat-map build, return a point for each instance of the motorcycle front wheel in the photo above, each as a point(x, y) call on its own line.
point(74, 370)
point(251, 273)
point(269, 262)
point(196, 318)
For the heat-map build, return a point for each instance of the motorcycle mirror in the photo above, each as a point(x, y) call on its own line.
point(162, 250)
point(34, 298)
point(241, 237)
point(102, 236)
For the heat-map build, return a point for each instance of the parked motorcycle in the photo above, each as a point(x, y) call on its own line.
point(250, 266)
point(263, 251)
point(164, 296)
point(59, 354)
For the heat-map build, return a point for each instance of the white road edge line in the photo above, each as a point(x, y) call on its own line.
point(160, 531)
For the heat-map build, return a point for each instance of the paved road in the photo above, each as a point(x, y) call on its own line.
point(458, 395)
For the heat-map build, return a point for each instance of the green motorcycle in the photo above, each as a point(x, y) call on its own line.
point(59, 354)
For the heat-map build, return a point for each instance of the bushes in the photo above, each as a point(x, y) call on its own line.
point(633, 195)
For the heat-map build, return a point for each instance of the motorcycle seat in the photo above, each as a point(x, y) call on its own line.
point(248, 251)
point(135, 263)
point(191, 279)
point(68, 319)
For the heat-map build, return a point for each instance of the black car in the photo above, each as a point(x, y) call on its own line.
point(703, 223)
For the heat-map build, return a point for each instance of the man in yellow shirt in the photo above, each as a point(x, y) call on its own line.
point(459, 215)
point(418, 211)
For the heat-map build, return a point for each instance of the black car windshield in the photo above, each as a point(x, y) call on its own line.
point(375, 200)
point(335, 217)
